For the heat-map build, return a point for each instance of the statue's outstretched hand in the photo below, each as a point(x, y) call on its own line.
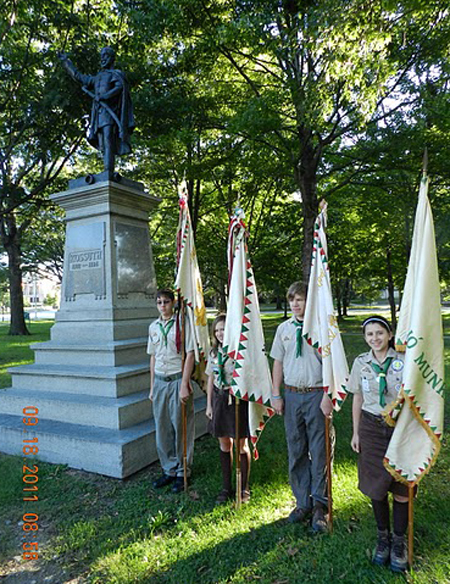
point(62, 56)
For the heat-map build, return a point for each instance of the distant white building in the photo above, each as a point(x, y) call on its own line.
point(37, 287)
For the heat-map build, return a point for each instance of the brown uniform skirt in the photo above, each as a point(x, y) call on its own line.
point(373, 479)
point(222, 423)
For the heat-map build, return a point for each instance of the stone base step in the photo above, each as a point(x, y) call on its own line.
point(114, 453)
point(93, 330)
point(93, 380)
point(85, 410)
point(113, 354)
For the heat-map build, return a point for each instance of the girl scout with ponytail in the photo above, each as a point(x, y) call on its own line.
point(375, 381)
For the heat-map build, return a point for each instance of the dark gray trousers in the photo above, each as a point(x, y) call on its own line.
point(169, 429)
point(305, 434)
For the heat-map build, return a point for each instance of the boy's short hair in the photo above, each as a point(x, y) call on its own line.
point(165, 292)
point(299, 288)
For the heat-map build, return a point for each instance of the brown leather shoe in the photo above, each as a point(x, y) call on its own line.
point(319, 522)
point(163, 481)
point(298, 515)
point(224, 496)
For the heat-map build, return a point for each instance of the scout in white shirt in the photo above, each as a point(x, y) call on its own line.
point(169, 386)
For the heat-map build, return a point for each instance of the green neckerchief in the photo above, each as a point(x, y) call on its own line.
point(381, 370)
point(299, 325)
point(165, 329)
point(221, 360)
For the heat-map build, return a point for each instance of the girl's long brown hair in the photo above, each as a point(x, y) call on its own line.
point(214, 341)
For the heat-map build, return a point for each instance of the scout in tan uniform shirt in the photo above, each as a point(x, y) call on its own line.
point(305, 406)
point(169, 386)
point(220, 410)
point(375, 381)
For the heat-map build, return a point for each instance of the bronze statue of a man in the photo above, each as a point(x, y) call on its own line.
point(112, 119)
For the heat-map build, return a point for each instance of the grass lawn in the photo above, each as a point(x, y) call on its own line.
point(98, 530)
point(16, 351)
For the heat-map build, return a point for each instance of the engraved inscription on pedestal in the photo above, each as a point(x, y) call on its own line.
point(85, 256)
point(134, 261)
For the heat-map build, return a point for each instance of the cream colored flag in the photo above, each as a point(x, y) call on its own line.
point(320, 326)
point(243, 336)
point(188, 281)
point(415, 442)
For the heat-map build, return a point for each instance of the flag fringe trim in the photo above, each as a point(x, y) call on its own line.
point(396, 473)
point(391, 407)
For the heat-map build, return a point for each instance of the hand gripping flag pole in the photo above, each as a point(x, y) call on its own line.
point(190, 300)
point(418, 414)
point(321, 331)
point(244, 341)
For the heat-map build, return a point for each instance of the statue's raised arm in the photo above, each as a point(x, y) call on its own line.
point(86, 80)
point(112, 119)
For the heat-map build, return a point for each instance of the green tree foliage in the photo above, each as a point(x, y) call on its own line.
point(253, 102)
point(40, 120)
point(305, 80)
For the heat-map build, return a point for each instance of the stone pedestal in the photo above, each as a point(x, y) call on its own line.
point(91, 380)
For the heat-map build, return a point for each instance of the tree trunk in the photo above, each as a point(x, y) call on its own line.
point(346, 297)
point(223, 297)
point(279, 302)
point(11, 243)
point(305, 173)
point(390, 281)
point(338, 300)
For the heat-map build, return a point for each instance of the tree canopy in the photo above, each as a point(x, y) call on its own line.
point(270, 103)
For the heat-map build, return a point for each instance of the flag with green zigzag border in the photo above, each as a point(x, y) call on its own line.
point(188, 281)
point(320, 327)
point(416, 440)
point(243, 335)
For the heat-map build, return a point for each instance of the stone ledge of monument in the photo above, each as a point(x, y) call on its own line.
point(114, 453)
point(87, 410)
point(101, 177)
point(93, 371)
point(99, 380)
point(119, 345)
point(71, 311)
point(98, 331)
point(114, 353)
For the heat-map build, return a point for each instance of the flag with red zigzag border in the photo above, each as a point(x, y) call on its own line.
point(320, 328)
point(243, 335)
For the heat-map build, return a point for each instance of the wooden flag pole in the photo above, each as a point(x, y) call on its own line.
point(410, 524)
point(183, 405)
point(237, 442)
point(329, 473)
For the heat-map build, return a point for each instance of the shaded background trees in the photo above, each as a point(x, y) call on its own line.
point(269, 103)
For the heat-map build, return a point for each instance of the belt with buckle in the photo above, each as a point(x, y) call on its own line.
point(303, 389)
point(377, 419)
point(167, 378)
